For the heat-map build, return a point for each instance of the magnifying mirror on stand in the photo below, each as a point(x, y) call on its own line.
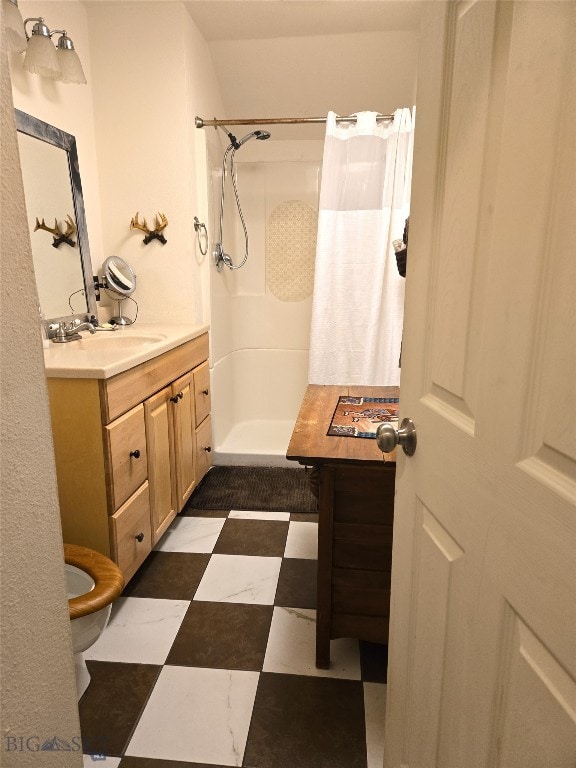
point(118, 278)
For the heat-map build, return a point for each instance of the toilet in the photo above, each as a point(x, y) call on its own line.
point(93, 581)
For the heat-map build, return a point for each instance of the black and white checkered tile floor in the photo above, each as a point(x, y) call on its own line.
point(208, 659)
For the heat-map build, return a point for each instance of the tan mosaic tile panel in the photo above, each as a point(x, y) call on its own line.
point(291, 250)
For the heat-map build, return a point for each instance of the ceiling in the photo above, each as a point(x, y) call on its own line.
point(294, 58)
point(255, 19)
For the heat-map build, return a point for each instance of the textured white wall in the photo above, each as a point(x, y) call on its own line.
point(152, 73)
point(38, 688)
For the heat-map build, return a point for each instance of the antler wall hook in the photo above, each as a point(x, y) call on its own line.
point(161, 223)
point(59, 235)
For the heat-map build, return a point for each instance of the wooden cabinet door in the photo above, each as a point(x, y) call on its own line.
point(126, 451)
point(182, 400)
point(203, 448)
point(202, 392)
point(161, 461)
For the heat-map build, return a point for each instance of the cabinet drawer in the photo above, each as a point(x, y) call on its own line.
point(130, 532)
point(203, 448)
point(202, 392)
point(126, 454)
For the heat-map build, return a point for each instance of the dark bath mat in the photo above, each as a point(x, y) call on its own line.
point(270, 489)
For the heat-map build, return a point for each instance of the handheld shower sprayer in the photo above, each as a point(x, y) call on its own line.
point(220, 257)
point(260, 135)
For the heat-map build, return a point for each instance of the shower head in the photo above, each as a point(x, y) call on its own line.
point(261, 135)
point(220, 257)
point(235, 144)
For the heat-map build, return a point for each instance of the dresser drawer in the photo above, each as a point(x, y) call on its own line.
point(130, 532)
point(203, 448)
point(364, 494)
point(126, 455)
point(202, 392)
point(360, 593)
point(362, 547)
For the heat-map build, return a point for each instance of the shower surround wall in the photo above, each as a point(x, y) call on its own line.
point(260, 342)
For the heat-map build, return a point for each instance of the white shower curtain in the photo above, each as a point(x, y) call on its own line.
point(358, 299)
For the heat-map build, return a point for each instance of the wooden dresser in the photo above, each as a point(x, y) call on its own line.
point(355, 487)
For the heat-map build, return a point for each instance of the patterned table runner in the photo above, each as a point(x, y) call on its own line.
point(361, 416)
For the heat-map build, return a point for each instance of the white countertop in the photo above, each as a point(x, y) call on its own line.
point(107, 353)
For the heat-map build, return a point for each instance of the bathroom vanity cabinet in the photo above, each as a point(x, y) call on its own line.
point(130, 449)
point(178, 455)
point(354, 483)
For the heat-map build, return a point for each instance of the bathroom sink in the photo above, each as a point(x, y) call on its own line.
point(104, 354)
point(116, 340)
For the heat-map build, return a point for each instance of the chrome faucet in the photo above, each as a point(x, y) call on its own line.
point(85, 327)
point(70, 331)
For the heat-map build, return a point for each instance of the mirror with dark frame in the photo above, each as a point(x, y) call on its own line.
point(58, 233)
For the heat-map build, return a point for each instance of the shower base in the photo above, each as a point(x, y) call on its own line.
point(258, 442)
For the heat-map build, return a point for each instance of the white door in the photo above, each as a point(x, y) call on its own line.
point(482, 668)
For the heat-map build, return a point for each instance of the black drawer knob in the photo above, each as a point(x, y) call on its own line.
point(177, 397)
point(139, 537)
point(204, 391)
point(208, 449)
point(135, 454)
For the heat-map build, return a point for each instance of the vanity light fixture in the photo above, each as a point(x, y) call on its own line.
point(41, 56)
point(14, 25)
point(70, 66)
point(44, 59)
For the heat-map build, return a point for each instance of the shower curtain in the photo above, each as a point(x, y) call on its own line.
point(358, 300)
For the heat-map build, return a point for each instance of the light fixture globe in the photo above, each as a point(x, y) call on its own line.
point(68, 60)
point(14, 27)
point(41, 56)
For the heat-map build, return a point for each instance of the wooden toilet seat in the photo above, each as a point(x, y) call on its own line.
point(108, 579)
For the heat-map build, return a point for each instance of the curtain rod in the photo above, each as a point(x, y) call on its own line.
point(200, 123)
